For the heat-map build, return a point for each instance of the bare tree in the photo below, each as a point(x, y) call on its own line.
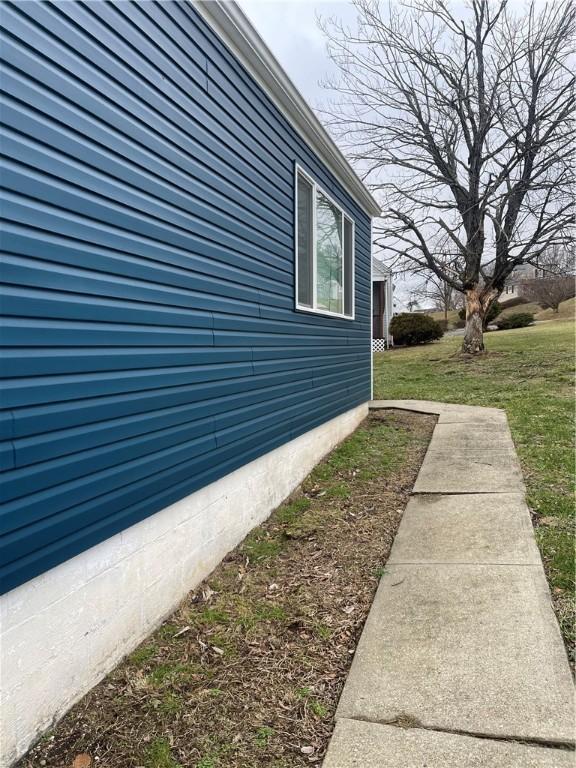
point(549, 292)
point(464, 127)
point(557, 283)
point(440, 293)
point(436, 289)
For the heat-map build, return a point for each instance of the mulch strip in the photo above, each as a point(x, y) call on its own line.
point(248, 671)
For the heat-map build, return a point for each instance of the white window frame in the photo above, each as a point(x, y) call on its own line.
point(314, 309)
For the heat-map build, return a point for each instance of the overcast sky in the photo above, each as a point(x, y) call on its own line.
point(290, 30)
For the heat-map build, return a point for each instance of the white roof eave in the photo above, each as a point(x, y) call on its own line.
point(233, 27)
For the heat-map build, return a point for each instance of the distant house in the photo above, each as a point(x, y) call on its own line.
point(382, 305)
point(188, 330)
point(521, 273)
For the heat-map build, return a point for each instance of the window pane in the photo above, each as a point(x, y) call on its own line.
point(305, 202)
point(328, 255)
point(348, 276)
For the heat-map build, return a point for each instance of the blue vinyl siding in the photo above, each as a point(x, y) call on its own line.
point(150, 341)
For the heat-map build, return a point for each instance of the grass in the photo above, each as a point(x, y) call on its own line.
point(566, 311)
point(528, 372)
point(530, 307)
point(158, 755)
point(248, 671)
point(452, 316)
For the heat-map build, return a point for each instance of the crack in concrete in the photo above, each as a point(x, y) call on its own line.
point(408, 722)
point(461, 493)
point(460, 562)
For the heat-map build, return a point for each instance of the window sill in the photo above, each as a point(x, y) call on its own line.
point(323, 312)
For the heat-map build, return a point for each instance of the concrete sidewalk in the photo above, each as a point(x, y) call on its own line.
point(461, 662)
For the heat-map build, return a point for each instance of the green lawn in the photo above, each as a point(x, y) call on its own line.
point(530, 373)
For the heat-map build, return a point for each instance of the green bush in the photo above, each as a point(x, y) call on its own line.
point(493, 311)
point(411, 329)
point(518, 320)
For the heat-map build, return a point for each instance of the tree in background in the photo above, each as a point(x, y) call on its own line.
point(557, 283)
point(442, 294)
point(464, 127)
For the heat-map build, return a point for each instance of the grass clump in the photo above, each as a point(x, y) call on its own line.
point(142, 655)
point(159, 755)
point(207, 762)
point(254, 614)
point(261, 546)
point(169, 673)
point(289, 513)
point(263, 736)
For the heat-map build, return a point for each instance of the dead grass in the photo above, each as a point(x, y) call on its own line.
point(566, 311)
point(248, 672)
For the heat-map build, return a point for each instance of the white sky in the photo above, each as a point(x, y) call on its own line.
point(290, 30)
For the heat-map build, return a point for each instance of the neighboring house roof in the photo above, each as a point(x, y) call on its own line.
point(379, 270)
point(234, 28)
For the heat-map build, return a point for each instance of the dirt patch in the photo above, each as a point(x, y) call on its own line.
point(248, 672)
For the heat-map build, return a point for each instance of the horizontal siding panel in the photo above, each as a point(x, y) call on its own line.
point(150, 339)
point(168, 204)
point(56, 305)
point(27, 510)
point(116, 252)
point(198, 294)
point(16, 571)
point(43, 190)
point(153, 445)
point(32, 449)
point(47, 389)
point(103, 91)
point(135, 503)
point(44, 419)
point(50, 121)
point(27, 333)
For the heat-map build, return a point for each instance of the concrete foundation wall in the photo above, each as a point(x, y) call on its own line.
point(61, 632)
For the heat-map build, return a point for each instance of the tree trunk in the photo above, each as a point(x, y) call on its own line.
point(473, 342)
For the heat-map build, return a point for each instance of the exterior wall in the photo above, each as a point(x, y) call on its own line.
point(382, 307)
point(152, 342)
point(62, 631)
point(514, 284)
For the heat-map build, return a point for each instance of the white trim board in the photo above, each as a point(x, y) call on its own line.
point(236, 31)
point(64, 630)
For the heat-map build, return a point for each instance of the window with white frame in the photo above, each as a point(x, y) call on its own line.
point(324, 252)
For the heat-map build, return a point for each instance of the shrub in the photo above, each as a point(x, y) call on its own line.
point(518, 320)
point(493, 312)
point(411, 329)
